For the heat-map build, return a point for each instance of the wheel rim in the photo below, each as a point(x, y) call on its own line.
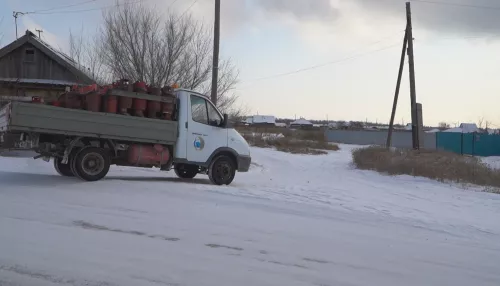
point(93, 164)
point(223, 172)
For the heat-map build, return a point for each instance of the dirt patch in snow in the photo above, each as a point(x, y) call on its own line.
point(320, 261)
point(38, 275)
point(87, 225)
point(224, 246)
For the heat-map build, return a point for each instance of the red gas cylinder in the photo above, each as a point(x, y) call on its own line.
point(93, 102)
point(110, 101)
point(167, 109)
point(147, 155)
point(111, 104)
point(140, 105)
point(154, 107)
point(71, 100)
point(124, 103)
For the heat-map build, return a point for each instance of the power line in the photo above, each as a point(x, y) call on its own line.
point(457, 4)
point(92, 9)
point(60, 7)
point(321, 65)
point(172, 4)
point(352, 57)
point(187, 10)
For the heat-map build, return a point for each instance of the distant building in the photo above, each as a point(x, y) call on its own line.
point(282, 125)
point(31, 67)
point(464, 128)
point(301, 124)
point(435, 130)
point(261, 120)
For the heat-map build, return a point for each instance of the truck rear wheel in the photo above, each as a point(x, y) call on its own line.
point(185, 171)
point(91, 164)
point(63, 169)
point(222, 171)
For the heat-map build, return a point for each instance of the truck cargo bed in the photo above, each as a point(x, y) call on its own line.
point(39, 118)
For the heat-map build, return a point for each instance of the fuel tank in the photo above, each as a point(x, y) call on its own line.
point(148, 155)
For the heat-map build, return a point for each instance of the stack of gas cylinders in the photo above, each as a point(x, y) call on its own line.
point(103, 99)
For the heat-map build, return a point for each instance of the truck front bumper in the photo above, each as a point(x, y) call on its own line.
point(244, 163)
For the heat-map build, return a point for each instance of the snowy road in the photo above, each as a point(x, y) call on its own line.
point(293, 220)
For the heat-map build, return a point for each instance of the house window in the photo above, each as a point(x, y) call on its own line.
point(29, 55)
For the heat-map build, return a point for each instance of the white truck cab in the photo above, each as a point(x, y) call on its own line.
point(205, 140)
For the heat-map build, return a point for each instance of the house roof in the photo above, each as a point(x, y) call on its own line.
point(469, 127)
point(261, 119)
point(264, 119)
point(37, 81)
point(301, 121)
point(59, 57)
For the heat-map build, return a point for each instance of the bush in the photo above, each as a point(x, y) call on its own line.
point(437, 165)
point(288, 144)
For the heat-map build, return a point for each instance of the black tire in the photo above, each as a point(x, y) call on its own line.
point(185, 171)
point(91, 164)
point(222, 171)
point(63, 169)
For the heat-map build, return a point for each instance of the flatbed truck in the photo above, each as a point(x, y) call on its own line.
point(84, 144)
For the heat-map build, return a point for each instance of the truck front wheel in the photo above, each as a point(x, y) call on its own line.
point(185, 171)
point(63, 169)
point(92, 164)
point(222, 171)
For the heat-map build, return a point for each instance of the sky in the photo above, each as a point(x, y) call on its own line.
point(335, 59)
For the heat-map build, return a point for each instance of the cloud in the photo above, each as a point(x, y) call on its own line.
point(439, 18)
point(301, 9)
point(53, 40)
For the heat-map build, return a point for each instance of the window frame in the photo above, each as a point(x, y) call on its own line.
point(207, 103)
point(210, 104)
point(33, 55)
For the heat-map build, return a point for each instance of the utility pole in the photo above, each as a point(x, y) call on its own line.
point(15, 15)
point(215, 69)
point(398, 85)
point(39, 31)
point(413, 92)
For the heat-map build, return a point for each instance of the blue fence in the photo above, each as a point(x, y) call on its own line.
point(469, 143)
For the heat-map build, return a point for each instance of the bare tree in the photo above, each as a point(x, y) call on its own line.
point(443, 125)
point(138, 44)
point(480, 123)
point(487, 125)
point(88, 57)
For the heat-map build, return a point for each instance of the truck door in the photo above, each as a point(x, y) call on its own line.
point(204, 134)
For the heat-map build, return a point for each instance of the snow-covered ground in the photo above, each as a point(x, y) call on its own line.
point(292, 220)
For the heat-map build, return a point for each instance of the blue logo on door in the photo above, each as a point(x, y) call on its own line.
point(199, 143)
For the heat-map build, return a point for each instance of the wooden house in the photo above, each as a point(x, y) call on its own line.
point(31, 67)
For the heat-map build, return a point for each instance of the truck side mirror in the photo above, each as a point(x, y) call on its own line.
point(225, 121)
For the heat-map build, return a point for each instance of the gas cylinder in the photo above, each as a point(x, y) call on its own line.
point(154, 107)
point(110, 101)
point(148, 155)
point(124, 103)
point(93, 102)
point(111, 104)
point(71, 100)
point(167, 109)
point(139, 104)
